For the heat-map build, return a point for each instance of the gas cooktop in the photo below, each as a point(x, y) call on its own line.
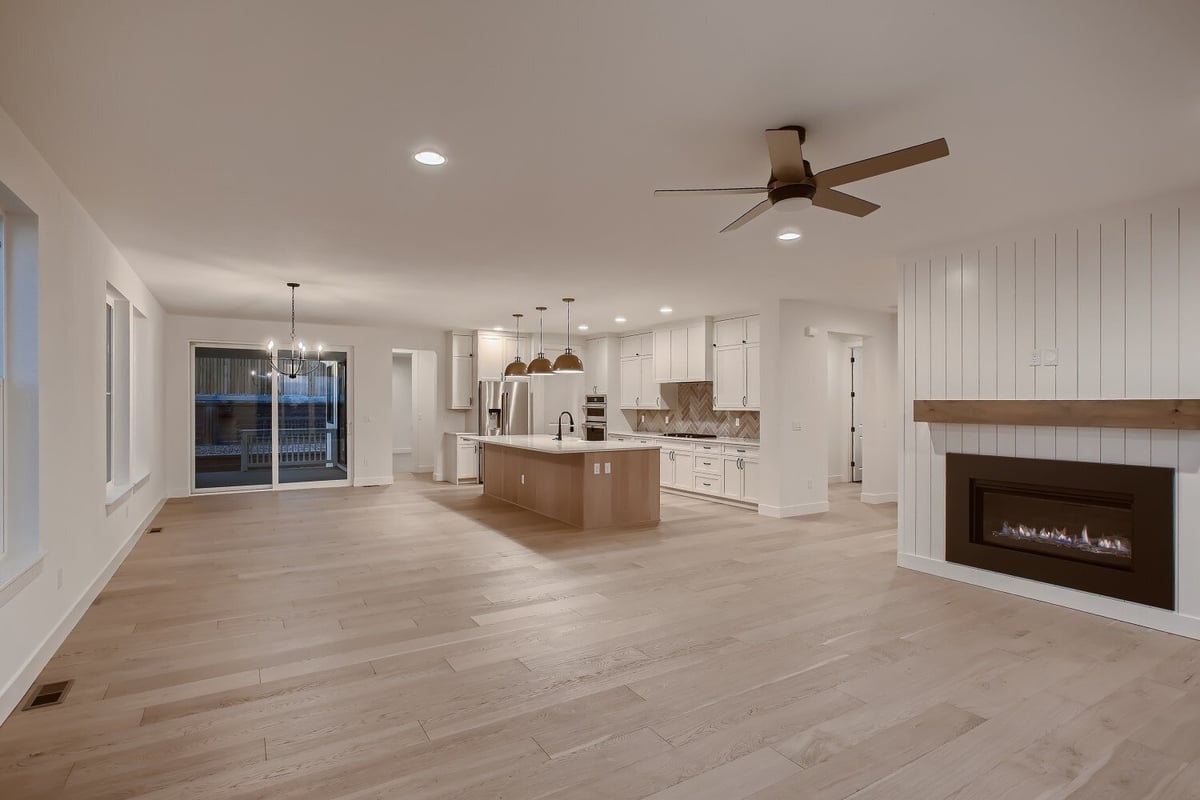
point(692, 435)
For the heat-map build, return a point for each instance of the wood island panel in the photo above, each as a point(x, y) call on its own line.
point(564, 486)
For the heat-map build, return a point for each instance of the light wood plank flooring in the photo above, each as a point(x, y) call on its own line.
point(421, 641)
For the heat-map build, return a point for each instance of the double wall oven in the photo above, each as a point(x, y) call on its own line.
point(595, 417)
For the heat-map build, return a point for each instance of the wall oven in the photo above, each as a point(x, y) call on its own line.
point(595, 408)
point(595, 431)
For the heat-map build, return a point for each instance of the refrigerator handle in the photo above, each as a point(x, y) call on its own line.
point(504, 413)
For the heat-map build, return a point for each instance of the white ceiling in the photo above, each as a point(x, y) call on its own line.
point(229, 146)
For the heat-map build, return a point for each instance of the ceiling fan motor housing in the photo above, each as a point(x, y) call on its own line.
point(792, 192)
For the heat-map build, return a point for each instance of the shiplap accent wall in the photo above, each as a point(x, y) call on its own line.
point(1118, 295)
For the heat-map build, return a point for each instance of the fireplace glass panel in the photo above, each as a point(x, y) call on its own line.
point(1090, 529)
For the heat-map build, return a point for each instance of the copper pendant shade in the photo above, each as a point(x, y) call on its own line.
point(568, 363)
point(540, 365)
point(517, 368)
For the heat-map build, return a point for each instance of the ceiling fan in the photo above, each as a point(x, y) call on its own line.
point(793, 182)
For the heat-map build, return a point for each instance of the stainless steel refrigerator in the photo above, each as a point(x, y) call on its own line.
point(505, 408)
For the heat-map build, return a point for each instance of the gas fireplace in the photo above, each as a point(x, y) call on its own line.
point(1101, 528)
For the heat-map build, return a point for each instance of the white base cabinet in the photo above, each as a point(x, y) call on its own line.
point(460, 459)
point(720, 470)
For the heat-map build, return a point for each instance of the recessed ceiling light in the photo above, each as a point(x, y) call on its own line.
point(665, 310)
point(788, 236)
point(619, 319)
point(430, 158)
point(583, 327)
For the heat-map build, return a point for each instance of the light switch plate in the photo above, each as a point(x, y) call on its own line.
point(1050, 358)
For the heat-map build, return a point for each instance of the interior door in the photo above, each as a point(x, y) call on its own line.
point(856, 428)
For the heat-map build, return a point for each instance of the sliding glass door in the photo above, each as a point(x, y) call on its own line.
point(257, 430)
point(313, 435)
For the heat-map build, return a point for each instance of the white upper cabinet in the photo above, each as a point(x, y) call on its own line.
point(490, 356)
point(637, 345)
point(682, 354)
point(631, 382)
point(736, 364)
point(639, 381)
point(597, 365)
point(462, 371)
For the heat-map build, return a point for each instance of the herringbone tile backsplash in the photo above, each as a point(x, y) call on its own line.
point(694, 414)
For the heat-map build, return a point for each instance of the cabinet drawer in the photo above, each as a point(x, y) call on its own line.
point(708, 448)
point(678, 448)
point(709, 464)
point(745, 451)
point(465, 442)
point(709, 484)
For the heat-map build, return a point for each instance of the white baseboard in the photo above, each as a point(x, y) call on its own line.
point(401, 450)
point(880, 497)
point(836, 479)
point(1135, 613)
point(437, 477)
point(799, 510)
point(423, 468)
point(377, 480)
point(19, 685)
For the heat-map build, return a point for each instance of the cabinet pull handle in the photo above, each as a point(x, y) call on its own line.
point(743, 400)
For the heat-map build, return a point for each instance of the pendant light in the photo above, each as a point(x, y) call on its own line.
point(540, 365)
point(297, 362)
point(568, 363)
point(517, 368)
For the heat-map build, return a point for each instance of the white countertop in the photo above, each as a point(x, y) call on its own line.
point(686, 440)
point(545, 443)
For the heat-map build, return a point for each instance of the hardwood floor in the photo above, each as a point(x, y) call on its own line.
point(421, 641)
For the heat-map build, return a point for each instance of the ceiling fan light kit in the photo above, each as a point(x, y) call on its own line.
point(792, 185)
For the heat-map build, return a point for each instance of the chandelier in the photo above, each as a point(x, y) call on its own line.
point(296, 363)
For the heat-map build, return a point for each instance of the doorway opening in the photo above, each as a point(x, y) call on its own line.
point(256, 429)
point(414, 409)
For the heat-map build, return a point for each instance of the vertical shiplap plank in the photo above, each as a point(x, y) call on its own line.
point(1112, 330)
point(1044, 287)
point(970, 343)
point(1164, 325)
point(908, 507)
point(922, 286)
point(954, 344)
point(1138, 347)
point(937, 433)
point(1026, 323)
point(988, 342)
point(1066, 300)
point(1187, 483)
point(1006, 340)
point(1087, 319)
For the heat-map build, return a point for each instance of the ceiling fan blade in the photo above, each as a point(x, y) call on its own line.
point(840, 201)
point(890, 162)
point(734, 190)
point(787, 159)
point(749, 215)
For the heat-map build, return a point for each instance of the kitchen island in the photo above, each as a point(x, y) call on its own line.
point(581, 483)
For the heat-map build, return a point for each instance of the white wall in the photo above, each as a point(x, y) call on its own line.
point(794, 394)
point(1117, 293)
point(371, 385)
point(402, 403)
point(81, 539)
point(426, 417)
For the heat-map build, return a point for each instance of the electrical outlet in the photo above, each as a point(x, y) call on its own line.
point(1035, 358)
point(737, 422)
point(795, 426)
point(643, 418)
point(522, 478)
point(668, 419)
point(608, 468)
point(596, 468)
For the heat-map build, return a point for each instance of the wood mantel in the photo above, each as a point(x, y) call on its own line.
point(1177, 414)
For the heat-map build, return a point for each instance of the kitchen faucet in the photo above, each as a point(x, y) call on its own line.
point(572, 425)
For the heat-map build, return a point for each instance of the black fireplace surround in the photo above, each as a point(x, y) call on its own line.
point(1108, 529)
